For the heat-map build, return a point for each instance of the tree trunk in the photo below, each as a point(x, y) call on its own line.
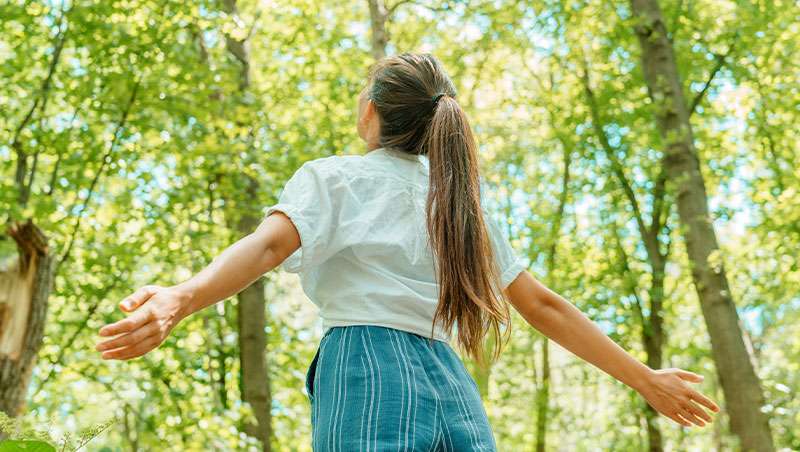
point(251, 313)
point(254, 377)
point(25, 284)
point(738, 378)
point(255, 382)
point(543, 398)
point(378, 17)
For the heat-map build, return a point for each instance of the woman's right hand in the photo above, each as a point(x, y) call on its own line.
point(155, 311)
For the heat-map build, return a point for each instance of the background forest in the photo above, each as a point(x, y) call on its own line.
point(642, 155)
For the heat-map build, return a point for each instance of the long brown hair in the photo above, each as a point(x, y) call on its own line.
point(419, 114)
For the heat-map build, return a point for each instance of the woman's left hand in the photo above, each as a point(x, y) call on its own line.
point(666, 391)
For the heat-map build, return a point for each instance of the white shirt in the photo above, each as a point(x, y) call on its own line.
point(364, 257)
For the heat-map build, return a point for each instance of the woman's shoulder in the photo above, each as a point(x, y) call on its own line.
point(334, 161)
point(342, 166)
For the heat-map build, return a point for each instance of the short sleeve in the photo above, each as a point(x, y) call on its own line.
point(310, 199)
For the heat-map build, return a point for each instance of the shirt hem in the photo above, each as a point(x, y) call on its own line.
point(329, 324)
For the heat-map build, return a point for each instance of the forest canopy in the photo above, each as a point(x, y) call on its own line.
point(642, 157)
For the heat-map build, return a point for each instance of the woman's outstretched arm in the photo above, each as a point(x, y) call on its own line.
point(664, 389)
point(156, 310)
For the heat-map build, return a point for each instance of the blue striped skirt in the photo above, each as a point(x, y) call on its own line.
point(374, 388)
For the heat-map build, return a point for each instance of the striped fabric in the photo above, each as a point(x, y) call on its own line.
point(374, 388)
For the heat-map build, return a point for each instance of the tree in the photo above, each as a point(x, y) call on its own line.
point(26, 281)
point(255, 380)
point(681, 163)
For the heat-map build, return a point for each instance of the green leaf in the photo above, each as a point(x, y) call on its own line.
point(11, 445)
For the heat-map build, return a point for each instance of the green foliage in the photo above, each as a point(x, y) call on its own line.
point(25, 446)
point(25, 436)
point(136, 148)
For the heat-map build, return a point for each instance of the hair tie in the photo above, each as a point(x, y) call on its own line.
point(436, 98)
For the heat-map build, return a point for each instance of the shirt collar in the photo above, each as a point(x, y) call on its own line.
point(396, 153)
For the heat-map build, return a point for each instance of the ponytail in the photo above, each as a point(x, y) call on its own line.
point(466, 270)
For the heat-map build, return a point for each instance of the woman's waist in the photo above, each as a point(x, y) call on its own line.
point(416, 327)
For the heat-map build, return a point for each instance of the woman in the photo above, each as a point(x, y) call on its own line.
point(396, 249)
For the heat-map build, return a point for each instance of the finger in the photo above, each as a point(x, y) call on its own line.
point(138, 298)
point(697, 411)
point(133, 351)
point(144, 347)
point(705, 401)
point(685, 421)
point(127, 339)
point(130, 323)
point(688, 415)
point(691, 376)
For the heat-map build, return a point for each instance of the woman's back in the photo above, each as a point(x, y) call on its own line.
point(365, 256)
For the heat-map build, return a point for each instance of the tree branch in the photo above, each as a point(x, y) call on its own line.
point(616, 166)
point(659, 193)
point(22, 157)
point(59, 155)
point(630, 280)
point(391, 9)
point(106, 159)
point(720, 63)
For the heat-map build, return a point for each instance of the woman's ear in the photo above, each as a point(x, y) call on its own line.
point(372, 121)
point(369, 111)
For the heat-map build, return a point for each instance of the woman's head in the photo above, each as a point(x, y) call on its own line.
point(410, 104)
point(399, 100)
